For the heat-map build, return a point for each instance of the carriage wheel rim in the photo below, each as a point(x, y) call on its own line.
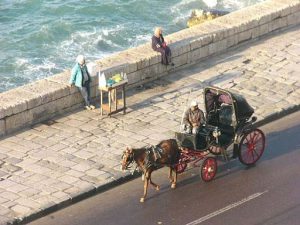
point(252, 147)
point(209, 169)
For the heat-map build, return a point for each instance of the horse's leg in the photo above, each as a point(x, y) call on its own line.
point(152, 183)
point(143, 176)
point(170, 174)
point(174, 181)
point(146, 182)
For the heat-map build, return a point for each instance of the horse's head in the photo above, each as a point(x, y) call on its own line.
point(127, 158)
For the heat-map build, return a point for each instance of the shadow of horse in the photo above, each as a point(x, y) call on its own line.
point(148, 159)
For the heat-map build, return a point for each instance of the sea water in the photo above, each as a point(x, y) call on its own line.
point(39, 38)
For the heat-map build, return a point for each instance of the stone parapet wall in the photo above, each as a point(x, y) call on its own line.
point(46, 98)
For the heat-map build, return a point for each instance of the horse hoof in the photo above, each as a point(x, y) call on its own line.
point(173, 186)
point(142, 200)
point(157, 188)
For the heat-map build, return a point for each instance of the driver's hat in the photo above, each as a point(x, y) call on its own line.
point(194, 103)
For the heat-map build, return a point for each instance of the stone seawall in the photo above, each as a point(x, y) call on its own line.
point(46, 98)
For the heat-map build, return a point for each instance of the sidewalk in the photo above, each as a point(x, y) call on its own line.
point(62, 160)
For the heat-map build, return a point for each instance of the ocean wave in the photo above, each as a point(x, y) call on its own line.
point(41, 38)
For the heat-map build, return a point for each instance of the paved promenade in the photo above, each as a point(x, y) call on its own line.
point(53, 163)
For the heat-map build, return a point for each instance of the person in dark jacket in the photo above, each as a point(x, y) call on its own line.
point(80, 77)
point(193, 119)
point(160, 45)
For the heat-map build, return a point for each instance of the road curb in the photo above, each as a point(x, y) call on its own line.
point(277, 115)
point(84, 194)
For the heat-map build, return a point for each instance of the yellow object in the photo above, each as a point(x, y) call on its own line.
point(117, 78)
point(200, 16)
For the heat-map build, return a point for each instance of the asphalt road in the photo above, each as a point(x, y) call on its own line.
point(267, 193)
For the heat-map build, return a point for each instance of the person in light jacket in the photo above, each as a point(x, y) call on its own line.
point(193, 119)
point(80, 77)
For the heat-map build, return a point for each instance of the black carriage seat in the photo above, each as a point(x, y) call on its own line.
point(226, 123)
point(196, 142)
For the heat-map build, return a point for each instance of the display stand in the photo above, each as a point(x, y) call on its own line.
point(112, 98)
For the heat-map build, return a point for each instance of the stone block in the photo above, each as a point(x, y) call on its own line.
point(149, 72)
point(134, 77)
point(155, 59)
point(196, 44)
point(14, 101)
point(219, 35)
point(131, 67)
point(143, 63)
point(244, 36)
point(206, 39)
point(212, 48)
point(2, 127)
point(14, 122)
point(61, 78)
point(180, 48)
point(181, 60)
point(232, 41)
point(278, 23)
point(264, 18)
point(47, 90)
point(193, 55)
point(293, 18)
point(5, 110)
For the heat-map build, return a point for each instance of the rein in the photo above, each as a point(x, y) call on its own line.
point(130, 162)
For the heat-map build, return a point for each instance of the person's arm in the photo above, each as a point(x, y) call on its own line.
point(155, 43)
point(87, 72)
point(202, 120)
point(164, 43)
point(73, 75)
point(186, 118)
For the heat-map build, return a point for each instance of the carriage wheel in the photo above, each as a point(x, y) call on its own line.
point(180, 167)
point(251, 147)
point(209, 169)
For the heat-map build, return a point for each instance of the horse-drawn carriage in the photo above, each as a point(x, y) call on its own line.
point(229, 122)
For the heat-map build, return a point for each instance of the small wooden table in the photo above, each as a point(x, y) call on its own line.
point(113, 98)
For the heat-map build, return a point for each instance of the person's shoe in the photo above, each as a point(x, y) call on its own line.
point(92, 107)
point(87, 107)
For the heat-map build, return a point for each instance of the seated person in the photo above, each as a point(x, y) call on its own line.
point(193, 119)
point(159, 45)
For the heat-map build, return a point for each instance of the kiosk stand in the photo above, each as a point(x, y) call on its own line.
point(112, 95)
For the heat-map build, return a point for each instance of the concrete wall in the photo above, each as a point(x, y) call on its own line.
point(43, 99)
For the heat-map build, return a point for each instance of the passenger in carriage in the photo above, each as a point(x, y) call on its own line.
point(193, 119)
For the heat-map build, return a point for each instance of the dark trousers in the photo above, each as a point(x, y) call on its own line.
point(85, 92)
point(165, 55)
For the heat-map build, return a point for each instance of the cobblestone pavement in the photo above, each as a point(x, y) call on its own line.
point(56, 161)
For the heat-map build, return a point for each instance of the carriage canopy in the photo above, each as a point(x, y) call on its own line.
point(214, 97)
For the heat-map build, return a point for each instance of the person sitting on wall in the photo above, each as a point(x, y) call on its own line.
point(193, 119)
point(159, 45)
point(80, 77)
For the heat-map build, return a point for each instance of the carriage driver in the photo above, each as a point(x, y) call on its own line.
point(193, 118)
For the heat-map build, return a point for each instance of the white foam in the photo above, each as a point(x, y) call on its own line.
point(210, 3)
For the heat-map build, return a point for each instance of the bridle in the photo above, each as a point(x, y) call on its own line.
point(129, 159)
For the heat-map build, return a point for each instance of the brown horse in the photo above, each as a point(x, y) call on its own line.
point(148, 159)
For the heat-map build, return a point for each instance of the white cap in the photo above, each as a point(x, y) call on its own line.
point(80, 59)
point(194, 103)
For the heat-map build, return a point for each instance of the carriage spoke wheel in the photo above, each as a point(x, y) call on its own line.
point(208, 169)
point(180, 167)
point(251, 147)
